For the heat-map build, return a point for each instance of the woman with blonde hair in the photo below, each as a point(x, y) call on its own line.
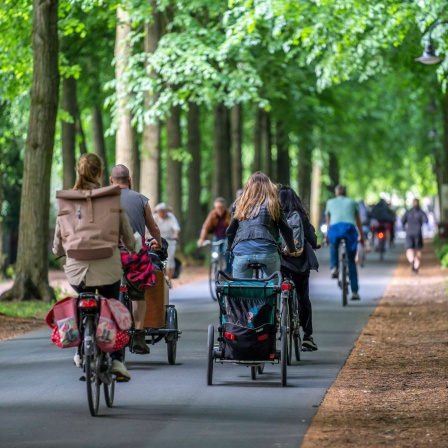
point(255, 228)
point(101, 274)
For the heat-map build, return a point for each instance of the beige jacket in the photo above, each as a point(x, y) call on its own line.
point(95, 272)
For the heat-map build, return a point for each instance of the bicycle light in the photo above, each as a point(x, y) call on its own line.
point(381, 235)
point(87, 303)
point(215, 255)
point(286, 286)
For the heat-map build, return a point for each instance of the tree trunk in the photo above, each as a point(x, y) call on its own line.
point(195, 218)
point(444, 176)
point(222, 178)
point(99, 143)
point(2, 197)
point(174, 167)
point(237, 143)
point(305, 169)
point(333, 171)
point(123, 145)
point(257, 140)
point(68, 133)
point(267, 143)
point(137, 166)
point(80, 131)
point(31, 280)
point(150, 155)
point(283, 161)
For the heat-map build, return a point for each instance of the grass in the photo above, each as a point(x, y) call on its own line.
point(30, 309)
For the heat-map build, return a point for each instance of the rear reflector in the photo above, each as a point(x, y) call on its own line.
point(229, 336)
point(123, 288)
point(381, 235)
point(263, 337)
point(272, 356)
point(286, 286)
point(87, 303)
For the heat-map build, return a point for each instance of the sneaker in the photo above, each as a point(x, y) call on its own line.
point(308, 344)
point(77, 360)
point(355, 296)
point(334, 273)
point(139, 344)
point(119, 369)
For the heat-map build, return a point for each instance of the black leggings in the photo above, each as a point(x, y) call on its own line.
point(301, 282)
point(109, 292)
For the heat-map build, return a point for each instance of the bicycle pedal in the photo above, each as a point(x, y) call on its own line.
point(82, 378)
point(122, 379)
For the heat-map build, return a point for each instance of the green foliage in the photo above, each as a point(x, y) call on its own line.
point(26, 309)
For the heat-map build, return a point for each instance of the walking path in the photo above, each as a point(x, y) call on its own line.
point(393, 389)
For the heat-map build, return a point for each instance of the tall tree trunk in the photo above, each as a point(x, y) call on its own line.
point(195, 218)
point(267, 143)
point(123, 145)
point(31, 280)
point(99, 143)
point(222, 178)
point(283, 161)
point(333, 171)
point(150, 155)
point(2, 197)
point(68, 132)
point(237, 144)
point(80, 131)
point(137, 163)
point(444, 176)
point(257, 140)
point(174, 167)
point(305, 169)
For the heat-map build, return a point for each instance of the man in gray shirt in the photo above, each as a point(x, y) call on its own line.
point(140, 216)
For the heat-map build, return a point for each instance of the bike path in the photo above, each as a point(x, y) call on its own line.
point(42, 402)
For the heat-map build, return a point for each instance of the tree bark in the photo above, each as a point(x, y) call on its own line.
point(99, 143)
point(150, 155)
point(124, 138)
point(267, 143)
point(194, 222)
point(283, 161)
point(2, 197)
point(222, 176)
point(237, 144)
point(305, 169)
point(333, 171)
point(80, 131)
point(68, 133)
point(257, 140)
point(31, 280)
point(444, 174)
point(174, 167)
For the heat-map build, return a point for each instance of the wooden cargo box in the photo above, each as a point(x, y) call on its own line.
point(156, 297)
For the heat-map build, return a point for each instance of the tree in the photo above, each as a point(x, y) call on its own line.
point(32, 260)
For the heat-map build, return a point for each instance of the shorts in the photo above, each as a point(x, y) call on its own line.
point(171, 263)
point(414, 242)
point(135, 293)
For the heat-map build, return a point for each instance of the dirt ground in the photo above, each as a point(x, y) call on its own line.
point(11, 327)
point(393, 389)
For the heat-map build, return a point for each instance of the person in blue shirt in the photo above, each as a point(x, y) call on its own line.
point(344, 221)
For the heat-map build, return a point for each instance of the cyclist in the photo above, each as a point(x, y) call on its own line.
point(217, 222)
point(255, 228)
point(139, 268)
point(413, 220)
point(385, 218)
point(342, 215)
point(299, 268)
point(103, 274)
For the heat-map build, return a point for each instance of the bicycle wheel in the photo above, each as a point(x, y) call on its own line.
point(91, 367)
point(285, 322)
point(210, 354)
point(253, 372)
point(171, 339)
point(344, 282)
point(213, 269)
point(260, 368)
point(283, 355)
point(109, 386)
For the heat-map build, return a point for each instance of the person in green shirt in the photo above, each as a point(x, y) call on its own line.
point(343, 221)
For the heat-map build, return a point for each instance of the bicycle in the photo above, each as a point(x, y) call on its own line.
point(343, 280)
point(217, 263)
point(96, 364)
point(290, 319)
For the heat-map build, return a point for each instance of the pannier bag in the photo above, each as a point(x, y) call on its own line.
point(63, 319)
point(89, 222)
point(248, 318)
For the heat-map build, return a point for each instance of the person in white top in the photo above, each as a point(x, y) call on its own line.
point(169, 229)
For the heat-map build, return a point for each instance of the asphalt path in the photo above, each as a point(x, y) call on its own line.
point(43, 403)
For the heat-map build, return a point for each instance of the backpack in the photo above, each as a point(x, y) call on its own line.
point(89, 221)
point(295, 222)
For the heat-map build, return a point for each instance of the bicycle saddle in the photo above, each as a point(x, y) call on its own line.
point(256, 265)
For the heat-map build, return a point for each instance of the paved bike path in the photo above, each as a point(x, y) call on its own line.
point(42, 402)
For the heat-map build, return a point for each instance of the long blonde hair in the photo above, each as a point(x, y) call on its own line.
point(258, 190)
point(90, 167)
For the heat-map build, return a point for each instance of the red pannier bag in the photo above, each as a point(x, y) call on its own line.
point(63, 319)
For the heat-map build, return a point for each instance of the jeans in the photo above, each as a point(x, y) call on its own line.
point(352, 269)
point(301, 282)
point(240, 262)
point(222, 250)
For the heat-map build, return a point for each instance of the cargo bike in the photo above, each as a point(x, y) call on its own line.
point(253, 324)
point(161, 317)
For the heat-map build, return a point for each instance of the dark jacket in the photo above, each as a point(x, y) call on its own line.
point(414, 219)
point(261, 227)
